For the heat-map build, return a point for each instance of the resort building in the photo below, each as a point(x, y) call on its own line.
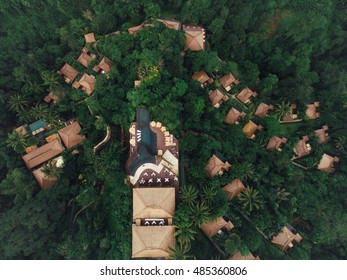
point(263, 110)
point(227, 81)
point(327, 163)
point(251, 129)
point(68, 72)
point(217, 98)
point(302, 148)
point(322, 134)
point(234, 188)
point(217, 165)
point(234, 116)
point(104, 66)
point(216, 226)
point(203, 78)
point(86, 84)
point(311, 111)
point(284, 240)
point(291, 116)
point(195, 37)
point(245, 96)
point(239, 257)
point(171, 23)
point(275, 143)
point(89, 38)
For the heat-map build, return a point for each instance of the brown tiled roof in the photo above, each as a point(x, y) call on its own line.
point(70, 135)
point(245, 95)
point(234, 188)
point(227, 80)
point(263, 110)
point(211, 228)
point(90, 38)
point(88, 83)
point(84, 59)
point(302, 148)
point(216, 166)
point(152, 241)
point(327, 163)
point(250, 129)
point(201, 77)
point(290, 116)
point(239, 256)
point(171, 23)
point(42, 154)
point(284, 240)
point(311, 111)
point(234, 116)
point(322, 134)
point(43, 180)
point(217, 97)
point(69, 72)
point(153, 203)
point(195, 37)
point(105, 64)
point(276, 143)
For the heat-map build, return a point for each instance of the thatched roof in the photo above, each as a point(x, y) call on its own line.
point(153, 203)
point(152, 241)
point(311, 111)
point(263, 110)
point(276, 143)
point(211, 228)
point(284, 239)
point(68, 72)
point(195, 37)
point(90, 38)
point(88, 83)
point(84, 59)
point(171, 23)
point(227, 80)
point(42, 154)
point(71, 135)
point(245, 95)
point(234, 188)
point(217, 164)
point(217, 98)
point(250, 129)
point(234, 116)
point(327, 162)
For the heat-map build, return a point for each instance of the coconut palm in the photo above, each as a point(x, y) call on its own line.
point(250, 200)
point(185, 233)
point(17, 141)
point(282, 110)
point(179, 252)
point(209, 193)
point(243, 170)
point(51, 80)
point(18, 103)
point(51, 170)
point(200, 212)
point(35, 88)
point(340, 143)
point(40, 111)
point(189, 194)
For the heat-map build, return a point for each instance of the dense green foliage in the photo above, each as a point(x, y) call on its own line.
point(287, 51)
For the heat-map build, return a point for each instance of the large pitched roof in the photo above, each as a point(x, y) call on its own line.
point(84, 59)
point(311, 110)
point(234, 116)
point(217, 164)
point(88, 83)
point(217, 97)
point(152, 241)
point(69, 72)
point(245, 95)
point(302, 148)
point(250, 129)
point(275, 143)
point(70, 135)
point(151, 203)
point(285, 238)
point(42, 154)
point(322, 134)
point(263, 110)
point(171, 23)
point(227, 80)
point(201, 77)
point(234, 188)
point(195, 37)
point(211, 228)
point(327, 162)
point(43, 180)
point(90, 38)
point(105, 64)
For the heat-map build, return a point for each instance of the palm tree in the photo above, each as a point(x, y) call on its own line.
point(185, 233)
point(250, 200)
point(40, 111)
point(35, 88)
point(243, 170)
point(209, 193)
point(18, 103)
point(17, 141)
point(51, 170)
point(180, 252)
point(282, 110)
point(189, 194)
point(201, 212)
point(51, 80)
